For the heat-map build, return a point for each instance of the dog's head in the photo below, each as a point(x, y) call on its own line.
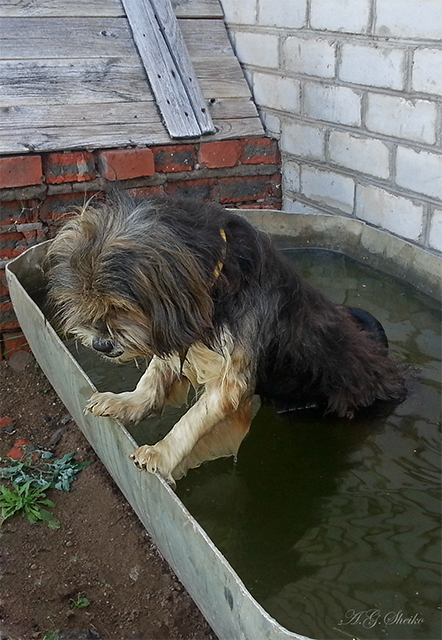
point(126, 284)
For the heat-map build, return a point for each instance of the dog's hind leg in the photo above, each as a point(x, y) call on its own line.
point(161, 384)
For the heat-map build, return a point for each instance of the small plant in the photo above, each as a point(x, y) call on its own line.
point(81, 602)
point(39, 467)
point(29, 501)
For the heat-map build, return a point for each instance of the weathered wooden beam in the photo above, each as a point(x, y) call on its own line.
point(166, 60)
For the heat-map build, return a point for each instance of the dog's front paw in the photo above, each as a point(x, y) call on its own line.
point(155, 459)
point(123, 406)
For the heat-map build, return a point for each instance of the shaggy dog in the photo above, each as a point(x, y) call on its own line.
point(208, 301)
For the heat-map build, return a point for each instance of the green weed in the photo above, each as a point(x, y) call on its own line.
point(80, 603)
point(29, 501)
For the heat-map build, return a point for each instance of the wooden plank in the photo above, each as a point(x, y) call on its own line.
point(60, 8)
point(108, 8)
point(149, 32)
point(77, 115)
point(221, 78)
point(206, 38)
point(197, 8)
point(139, 113)
point(100, 126)
point(175, 43)
point(72, 81)
point(61, 38)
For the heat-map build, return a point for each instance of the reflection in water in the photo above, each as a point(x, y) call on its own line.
point(334, 526)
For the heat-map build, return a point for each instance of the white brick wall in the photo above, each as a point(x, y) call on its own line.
point(332, 188)
point(257, 49)
point(310, 56)
point(409, 19)
point(413, 120)
point(372, 65)
point(391, 212)
point(427, 71)
point(367, 155)
point(419, 171)
point(351, 16)
point(331, 103)
point(300, 139)
point(354, 90)
point(276, 92)
point(282, 13)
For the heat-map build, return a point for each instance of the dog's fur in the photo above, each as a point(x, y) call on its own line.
point(213, 304)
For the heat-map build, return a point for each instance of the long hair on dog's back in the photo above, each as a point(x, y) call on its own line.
point(216, 304)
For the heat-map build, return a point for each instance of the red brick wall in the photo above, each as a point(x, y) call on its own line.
point(36, 190)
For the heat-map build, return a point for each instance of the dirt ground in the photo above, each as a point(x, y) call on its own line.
point(100, 551)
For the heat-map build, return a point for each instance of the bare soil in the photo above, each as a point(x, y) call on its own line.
point(100, 551)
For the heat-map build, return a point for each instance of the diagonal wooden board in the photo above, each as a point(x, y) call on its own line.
point(170, 71)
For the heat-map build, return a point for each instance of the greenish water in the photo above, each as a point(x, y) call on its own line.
point(334, 526)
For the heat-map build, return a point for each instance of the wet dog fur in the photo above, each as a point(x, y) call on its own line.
point(209, 302)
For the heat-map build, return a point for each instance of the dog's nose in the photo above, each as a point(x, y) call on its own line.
point(104, 346)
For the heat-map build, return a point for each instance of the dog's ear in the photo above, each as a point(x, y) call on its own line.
point(171, 288)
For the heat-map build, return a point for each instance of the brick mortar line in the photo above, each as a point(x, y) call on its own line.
point(42, 191)
point(335, 81)
point(432, 43)
point(365, 180)
point(286, 118)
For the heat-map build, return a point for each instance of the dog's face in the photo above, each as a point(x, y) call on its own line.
point(123, 284)
point(117, 334)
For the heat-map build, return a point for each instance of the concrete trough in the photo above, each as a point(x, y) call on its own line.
point(215, 587)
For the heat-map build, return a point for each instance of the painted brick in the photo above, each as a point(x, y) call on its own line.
point(60, 206)
point(435, 237)
point(350, 16)
point(200, 189)
point(360, 154)
point(314, 57)
point(11, 211)
point(291, 179)
point(259, 49)
point(303, 140)
point(239, 12)
point(146, 192)
point(409, 19)
point(174, 158)
point(396, 214)
point(419, 171)
point(283, 13)
point(427, 71)
point(77, 166)
point(276, 92)
point(215, 155)
point(260, 151)
point(329, 188)
point(373, 66)
point(393, 116)
point(246, 189)
point(333, 104)
point(20, 171)
point(123, 164)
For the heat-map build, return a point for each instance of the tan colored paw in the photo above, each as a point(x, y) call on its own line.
point(155, 459)
point(117, 405)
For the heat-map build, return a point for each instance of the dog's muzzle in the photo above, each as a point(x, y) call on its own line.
point(107, 348)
